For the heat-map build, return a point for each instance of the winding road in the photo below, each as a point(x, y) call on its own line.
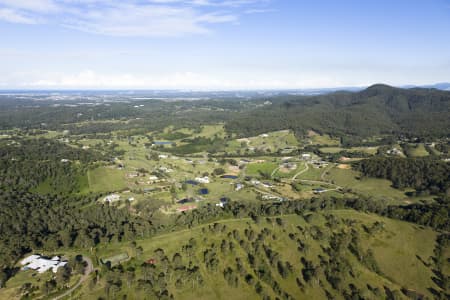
point(88, 270)
point(302, 171)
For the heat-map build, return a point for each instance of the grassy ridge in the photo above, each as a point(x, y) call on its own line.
point(402, 254)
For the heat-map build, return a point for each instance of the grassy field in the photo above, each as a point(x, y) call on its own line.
point(271, 141)
point(311, 174)
point(332, 150)
point(372, 187)
point(416, 150)
point(324, 139)
point(106, 179)
point(254, 169)
point(399, 249)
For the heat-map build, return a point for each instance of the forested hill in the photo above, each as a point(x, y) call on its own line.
point(379, 109)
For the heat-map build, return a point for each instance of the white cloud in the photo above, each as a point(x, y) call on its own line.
point(149, 20)
point(12, 16)
point(89, 79)
point(31, 5)
point(130, 18)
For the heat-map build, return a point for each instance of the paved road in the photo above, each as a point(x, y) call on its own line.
point(88, 270)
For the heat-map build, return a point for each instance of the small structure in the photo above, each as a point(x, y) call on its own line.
point(255, 182)
point(306, 156)
point(163, 156)
point(42, 264)
point(184, 201)
point(394, 151)
point(111, 198)
point(153, 178)
point(191, 182)
point(290, 165)
point(229, 176)
point(266, 184)
point(319, 191)
point(239, 186)
point(223, 202)
point(204, 179)
point(165, 170)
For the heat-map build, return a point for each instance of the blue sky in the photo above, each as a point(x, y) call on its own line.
point(222, 44)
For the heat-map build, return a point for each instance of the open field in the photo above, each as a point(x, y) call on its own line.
point(332, 150)
point(269, 142)
point(416, 150)
point(255, 169)
point(324, 139)
point(373, 187)
point(106, 179)
point(396, 237)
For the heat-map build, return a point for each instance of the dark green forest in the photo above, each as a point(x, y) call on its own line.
point(377, 110)
point(423, 174)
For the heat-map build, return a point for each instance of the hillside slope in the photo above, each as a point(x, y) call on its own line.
point(337, 254)
point(379, 109)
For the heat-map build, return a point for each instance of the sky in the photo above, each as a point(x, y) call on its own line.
point(222, 44)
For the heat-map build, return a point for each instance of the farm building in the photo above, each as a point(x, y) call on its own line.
point(42, 264)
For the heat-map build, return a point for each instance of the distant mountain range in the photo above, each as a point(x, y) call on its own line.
point(377, 110)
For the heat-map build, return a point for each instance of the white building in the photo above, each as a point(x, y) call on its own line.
point(41, 264)
point(153, 178)
point(239, 186)
point(204, 179)
point(112, 198)
point(306, 156)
